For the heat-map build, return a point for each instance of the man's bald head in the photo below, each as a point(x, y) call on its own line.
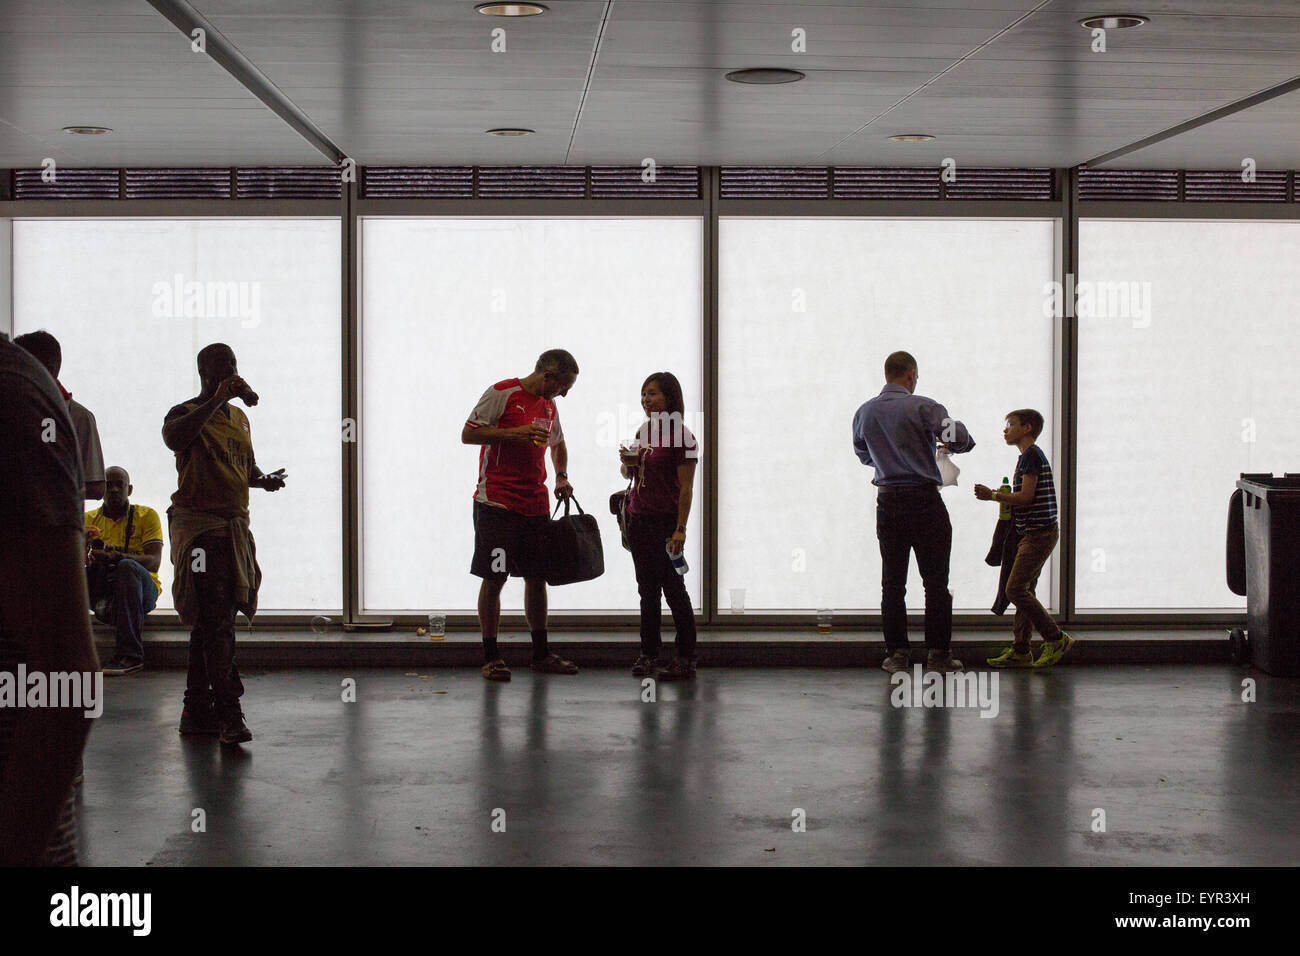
point(117, 491)
point(214, 356)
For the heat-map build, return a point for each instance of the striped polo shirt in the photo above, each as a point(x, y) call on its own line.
point(1041, 512)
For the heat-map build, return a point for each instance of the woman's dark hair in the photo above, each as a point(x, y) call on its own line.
point(672, 389)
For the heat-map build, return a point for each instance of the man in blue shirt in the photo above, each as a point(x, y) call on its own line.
point(897, 433)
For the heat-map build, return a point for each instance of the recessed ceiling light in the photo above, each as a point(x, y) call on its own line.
point(512, 9)
point(765, 75)
point(510, 132)
point(87, 130)
point(1113, 21)
point(911, 137)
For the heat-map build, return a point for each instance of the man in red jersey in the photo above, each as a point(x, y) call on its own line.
point(515, 421)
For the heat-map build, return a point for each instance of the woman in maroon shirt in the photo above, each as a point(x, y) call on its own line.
point(662, 468)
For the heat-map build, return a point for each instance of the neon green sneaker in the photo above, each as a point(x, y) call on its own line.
point(1012, 658)
point(1054, 651)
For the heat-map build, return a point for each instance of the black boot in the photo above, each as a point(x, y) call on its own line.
point(233, 729)
point(199, 717)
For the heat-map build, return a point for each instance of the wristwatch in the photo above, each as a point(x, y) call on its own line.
point(562, 474)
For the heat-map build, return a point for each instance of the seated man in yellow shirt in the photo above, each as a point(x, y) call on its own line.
point(125, 546)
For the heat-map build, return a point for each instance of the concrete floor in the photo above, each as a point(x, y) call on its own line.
point(711, 773)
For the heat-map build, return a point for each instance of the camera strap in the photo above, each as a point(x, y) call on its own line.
point(130, 522)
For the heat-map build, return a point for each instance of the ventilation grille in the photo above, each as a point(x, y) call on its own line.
point(884, 182)
point(249, 182)
point(522, 182)
point(877, 182)
point(288, 182)
point(403, 182)
point(176, 184)
point(532, 182)
point(68, 184)
point(1156, 185)
point(982, 183)
point(775, 182)
point(1192, 185)
point(629, 182)
point(1226, 186)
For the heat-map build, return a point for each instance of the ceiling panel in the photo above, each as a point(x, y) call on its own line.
point(117, 63)
point(412, 81)
point(1265, 133)
point(1066, 103)
point(998, 82)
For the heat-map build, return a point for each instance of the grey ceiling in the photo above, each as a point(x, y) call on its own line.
point(999, 82)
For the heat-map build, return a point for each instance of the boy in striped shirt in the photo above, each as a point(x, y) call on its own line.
point(1033, 501)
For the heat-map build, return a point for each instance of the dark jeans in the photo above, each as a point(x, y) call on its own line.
point(130, 593)
point(913, 518)
point(647, 536)
point(213, 675)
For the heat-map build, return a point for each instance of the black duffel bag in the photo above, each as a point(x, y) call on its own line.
point(618, 508)
point(573, 551)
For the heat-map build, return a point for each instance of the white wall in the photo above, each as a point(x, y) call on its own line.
point(451, 306)
point(1177, 398)
point(103, 288)
point(810, 308)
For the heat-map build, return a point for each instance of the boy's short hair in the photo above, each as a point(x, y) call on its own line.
point(1027, 416)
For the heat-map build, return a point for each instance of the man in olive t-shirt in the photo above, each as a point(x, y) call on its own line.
point(213, 552)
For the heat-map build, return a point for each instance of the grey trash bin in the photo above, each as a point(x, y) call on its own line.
point(1271, 513)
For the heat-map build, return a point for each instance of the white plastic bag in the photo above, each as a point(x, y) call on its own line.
point(947, 470)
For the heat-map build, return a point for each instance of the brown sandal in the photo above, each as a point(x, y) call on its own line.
point(496, 670)
point(554, 664)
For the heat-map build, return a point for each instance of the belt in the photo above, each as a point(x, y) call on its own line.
point(906, 489)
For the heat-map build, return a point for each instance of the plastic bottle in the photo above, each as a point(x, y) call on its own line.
point(678, 560)
point(1004, 512)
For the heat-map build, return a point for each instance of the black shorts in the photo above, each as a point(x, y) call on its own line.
point(507, 543)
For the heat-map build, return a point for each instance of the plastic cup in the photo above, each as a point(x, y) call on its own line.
point(437, 627)
point(544, 423)
point(737, 600)
point(824, 617)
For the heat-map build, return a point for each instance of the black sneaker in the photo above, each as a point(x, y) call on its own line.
point(234, 730)
point(680, 668)
point(119, 666)
point(644, 666)
point(943, 662)
point(197, 719)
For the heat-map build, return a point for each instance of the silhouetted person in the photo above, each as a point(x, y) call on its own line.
point(43, 621)
point(662, 467)
point(213, 552)
point(515, 421)
point(122, 573)
point(1033, 506)
point(45, 347)
point(897, 433)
